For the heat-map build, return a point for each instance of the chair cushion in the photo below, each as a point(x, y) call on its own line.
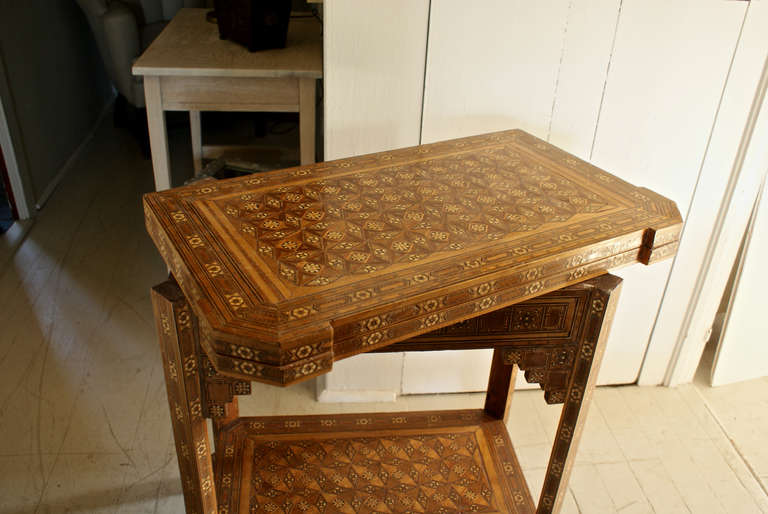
point(93, 8)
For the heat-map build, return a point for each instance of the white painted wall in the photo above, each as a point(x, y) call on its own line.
point(492, 65)
point(373, 74)
point(641, 107)
point(374, 56)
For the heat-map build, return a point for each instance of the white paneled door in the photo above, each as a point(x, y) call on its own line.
point(633, 86)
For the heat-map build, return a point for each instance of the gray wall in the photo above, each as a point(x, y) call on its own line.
point(55, 85)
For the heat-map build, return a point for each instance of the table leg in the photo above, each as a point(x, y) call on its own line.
point(158, 138)
point(178, 332)
point(501, 385)
point(219, 394)
point(307, 120)
point(196, 134)
point(589, 352)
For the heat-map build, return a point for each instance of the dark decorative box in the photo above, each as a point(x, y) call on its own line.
point(256, 24)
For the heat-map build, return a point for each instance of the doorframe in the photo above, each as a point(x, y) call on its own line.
point(674, 353)
point(12, 168)
point(12, 152)
point(729, 296)
point(748, 172)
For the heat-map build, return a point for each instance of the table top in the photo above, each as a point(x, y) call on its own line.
point(190, 46)
point(371, 250)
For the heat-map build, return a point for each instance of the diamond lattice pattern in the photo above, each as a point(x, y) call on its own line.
point(439, 473)
point(318, 231)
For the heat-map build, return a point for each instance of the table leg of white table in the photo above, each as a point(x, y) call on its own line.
point(307, 120)
point(197, 140)
point(158, 139)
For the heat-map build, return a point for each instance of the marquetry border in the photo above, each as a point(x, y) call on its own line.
point(177, 333)
point(252, 329)
point(501, 455)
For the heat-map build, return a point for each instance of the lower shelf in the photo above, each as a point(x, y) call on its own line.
point(429, 461)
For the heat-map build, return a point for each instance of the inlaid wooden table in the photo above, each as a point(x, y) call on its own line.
point(495, 241)
point(188, 68)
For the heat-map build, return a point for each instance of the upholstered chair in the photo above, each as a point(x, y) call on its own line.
point(123, 29)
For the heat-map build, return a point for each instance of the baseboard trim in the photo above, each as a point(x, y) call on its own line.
point(73, 158)
point(325, 395)
point(355, 396)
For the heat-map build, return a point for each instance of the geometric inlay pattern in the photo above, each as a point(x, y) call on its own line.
point(435, 473)
point(315, 232)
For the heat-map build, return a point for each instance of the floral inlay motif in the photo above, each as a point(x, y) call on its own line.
point(316, 232)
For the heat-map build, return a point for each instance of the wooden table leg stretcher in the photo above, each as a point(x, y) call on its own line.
point(429, 461)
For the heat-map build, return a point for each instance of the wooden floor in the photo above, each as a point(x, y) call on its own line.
point(84, 424)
